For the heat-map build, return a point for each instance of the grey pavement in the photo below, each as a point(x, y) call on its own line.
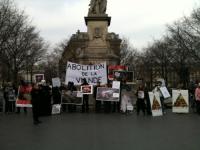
point(90, 131)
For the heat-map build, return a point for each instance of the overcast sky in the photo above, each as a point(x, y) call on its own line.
point(138, 20)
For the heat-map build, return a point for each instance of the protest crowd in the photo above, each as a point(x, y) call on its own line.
point(117, 95)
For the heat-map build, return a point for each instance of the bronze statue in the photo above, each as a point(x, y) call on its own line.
point(97, 7)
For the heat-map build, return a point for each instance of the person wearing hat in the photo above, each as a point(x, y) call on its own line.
point(197, 97)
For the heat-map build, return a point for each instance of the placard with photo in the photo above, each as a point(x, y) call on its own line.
point(87, 89)
point(69, 97)
point(107, 94)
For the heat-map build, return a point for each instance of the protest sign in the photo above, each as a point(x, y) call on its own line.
point(38, 77)
point(24, 96)
point(87, 89)
point(156, 107)
point(180, 102)
point(56, 82)
point(113, 68)
point(56, 109)
point(107, 94)
point(165, 92)
point(72, 97)
point(116, 84)
point(92, 73)
point(140, 94)
point(124, 76)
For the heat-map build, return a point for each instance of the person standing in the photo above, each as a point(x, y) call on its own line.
point(71, 88)
point(140, 104)
point(97, 102)
point(197, 97)
point(148, 103)
point(5, 95)
point(85, 106)
point(12, 98)
point(45, 103)
point(35, 94)
point(107, 104)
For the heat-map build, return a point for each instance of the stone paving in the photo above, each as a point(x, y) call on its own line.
point(90, 131)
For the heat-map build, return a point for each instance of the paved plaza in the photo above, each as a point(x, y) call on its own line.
point(90, 131)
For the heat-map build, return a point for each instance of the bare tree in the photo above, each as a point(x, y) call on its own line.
point(51, 65)
point(20, 43)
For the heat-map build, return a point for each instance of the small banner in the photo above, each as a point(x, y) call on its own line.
point(156, 106)
point(24, 96)
point(180, 102)
point(92, 73)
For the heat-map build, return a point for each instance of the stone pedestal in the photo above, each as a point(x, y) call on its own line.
point(98, 48)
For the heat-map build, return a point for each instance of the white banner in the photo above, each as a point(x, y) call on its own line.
point(156, 107)
point(92, 73)
point(180, 101)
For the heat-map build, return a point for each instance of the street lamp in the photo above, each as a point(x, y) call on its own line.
point(27, 64)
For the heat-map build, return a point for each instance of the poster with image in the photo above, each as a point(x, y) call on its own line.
point(156, 107)
point(112, 68)
point(180, 102)
point(24, 96)
point(69, 97)
point(38, 77)
point(124, 76)
point(87, 89)
point(107, 94)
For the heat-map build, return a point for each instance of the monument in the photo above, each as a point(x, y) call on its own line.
point(97, 44)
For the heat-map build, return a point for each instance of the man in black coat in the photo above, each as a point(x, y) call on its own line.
point(35, 93)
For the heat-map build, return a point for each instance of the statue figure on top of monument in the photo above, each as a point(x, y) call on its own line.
point(97, 7)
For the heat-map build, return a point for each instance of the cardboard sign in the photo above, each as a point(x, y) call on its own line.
point(56, 109)
point(156, 106)
point(180, 102)
point(56, 82)
point(165, 92)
